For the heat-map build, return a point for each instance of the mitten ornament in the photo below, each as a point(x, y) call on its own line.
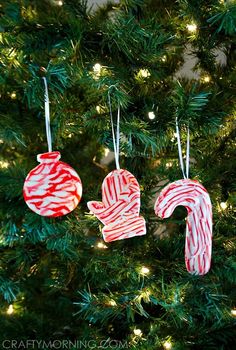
point(194, 197)
point(198, 242)
point(120, 206)
point(53, 188)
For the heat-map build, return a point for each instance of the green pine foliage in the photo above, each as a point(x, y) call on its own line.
point(63, 282)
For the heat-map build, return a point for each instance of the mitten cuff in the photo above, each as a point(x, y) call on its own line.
point(126, 228)
point(107, 214)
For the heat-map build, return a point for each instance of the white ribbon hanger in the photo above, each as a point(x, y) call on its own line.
point(47, 116)
point(186, 171)
point(116, 139)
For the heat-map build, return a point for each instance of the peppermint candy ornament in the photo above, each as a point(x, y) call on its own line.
point(194, 197)
point(120, 206)
point(53, 188)
point(198, 242)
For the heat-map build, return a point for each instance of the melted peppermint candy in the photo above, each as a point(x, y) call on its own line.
point(194, 197)
point(119, 209)
point(53, 188)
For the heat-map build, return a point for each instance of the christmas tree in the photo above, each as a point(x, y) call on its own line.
point(61, 285)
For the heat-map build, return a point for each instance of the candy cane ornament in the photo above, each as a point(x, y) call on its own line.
point(198, 242)
point(120, 206)
point(194, 197)
point(53, 188)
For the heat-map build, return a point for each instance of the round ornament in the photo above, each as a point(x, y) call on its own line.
point(53, 188)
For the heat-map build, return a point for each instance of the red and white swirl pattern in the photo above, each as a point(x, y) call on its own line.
point(120, 206)
point(53, 188)
point(198, 243)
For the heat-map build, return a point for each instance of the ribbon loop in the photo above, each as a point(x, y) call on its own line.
point(186, 170)
point(116, 139)
point(47, 116)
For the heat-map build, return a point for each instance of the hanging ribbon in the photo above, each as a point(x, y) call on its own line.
point(116, 139)
point(185, 175)
point(47, 116)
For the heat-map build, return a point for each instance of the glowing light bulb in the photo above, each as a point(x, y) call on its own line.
point(164, 58)
point(112, 303)
point(60, 3)
point(233, 312)
point(223, 205)
point(101, 245)
point(107, 151)
point(138, 332)
point(10, 310)
point(206, 79)
point(144, 73)
point(169, 165)
point(97, 68)
point(13, 95)
point(4, 164)
point(144, 270)
point(98, 109)
point(192, 27)
point(151, 115)
point(167, 345)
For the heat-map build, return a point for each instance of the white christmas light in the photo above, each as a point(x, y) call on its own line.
point(167, 345)
point(112, 303)
point(97, 68)
point(151, 115)
point(144, 270)
point(206, 79)
point(101, 245)
point(223, 205)
point(107, 151)
point(138, 332)
point(13, 95)
point(60, 3)
point(10, 310)
point(164, 58)
point(192, 27)
point(98, 109)
point(169, 165)
point(4, 164)
point(233, 312)
point(144, 73)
